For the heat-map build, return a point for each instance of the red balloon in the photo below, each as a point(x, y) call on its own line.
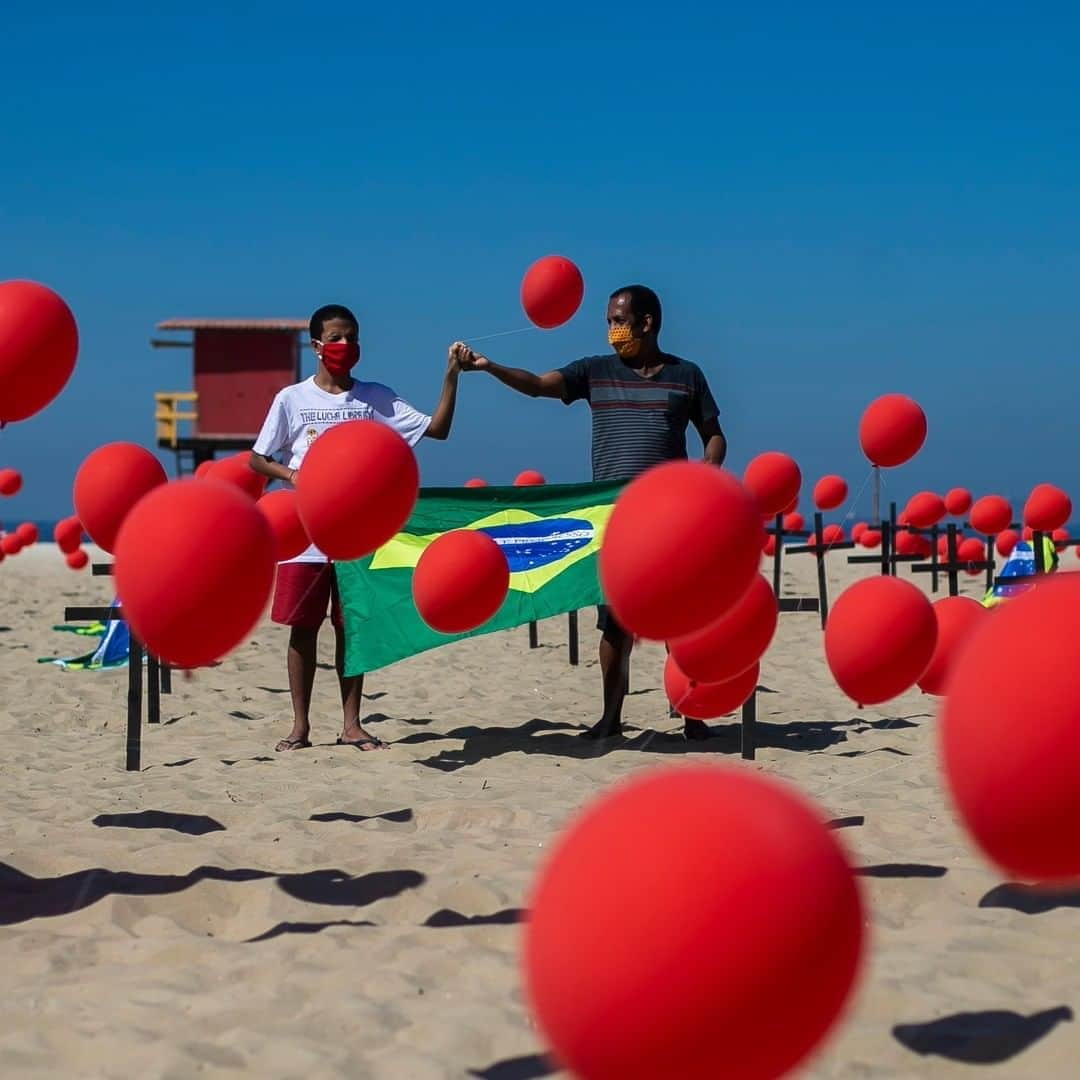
point(111, 480)
point(990, 515)
point(77, 559)
point(958, 501)
point(733, 643)
point(943, 547)
point(906, 543)
point(1060, 538)
point(529, 478)
point(1006, 541)
point(1028, 533)
point(1047, 508)
point(461, 580)
point(957, 619)
point(707, 701)
point(11, 544)
point(204, 468)
point(832, 534)
point(68, 534)
point(1018, 796)
point(235, 470)
point(879, 639)
point(970, 550)
point(551, 291)
point(282, 514)
point(38, 345)
point(27, 533)
point(682, 546)
point(371, 465)
point(770, 545)
point(794, 522)
point(476, 482)
point(858, 529)
point(773, 479)
point(925, 509)
point(892, 430)
point(711, 1010)
point(791, 506)
point(10, 482)
point(871, 538)
point(830, 492)
point(194, 568)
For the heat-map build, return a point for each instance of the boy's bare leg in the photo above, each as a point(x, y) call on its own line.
point(301, 664)
point(352, 693)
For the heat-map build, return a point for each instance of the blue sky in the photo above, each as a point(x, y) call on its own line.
point(833, 202)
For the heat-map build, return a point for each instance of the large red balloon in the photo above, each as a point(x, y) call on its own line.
point(708, 700)
point(794, 522)
point(356, 487)
point(39, 342)
point(734, 642)
point(925, 509)
point(682, 546)
point(281, 512)
point(111, 480)
point(830, 492)
point(773, 479)
point(10, 482)
point(551, 291)
point(68, 534)
point(1047, 508)
point(990, 515)
point(529, 478)
point(711, 1008)
point(879, 639)
point(194, 568)
point(892, 430)
point(235, 470)
point(1010, 734)
point(203, 468)
point(461, 580)
point(1007, 539)
point(957, 618)
point(958, 501)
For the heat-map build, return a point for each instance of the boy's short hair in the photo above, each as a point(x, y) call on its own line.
point(326, 312)
point(643, 301)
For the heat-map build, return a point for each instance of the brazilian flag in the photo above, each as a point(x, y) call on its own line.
point(550, 536)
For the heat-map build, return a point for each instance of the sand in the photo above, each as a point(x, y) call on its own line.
point(330, 913)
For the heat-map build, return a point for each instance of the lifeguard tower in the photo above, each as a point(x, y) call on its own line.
point(238, 367)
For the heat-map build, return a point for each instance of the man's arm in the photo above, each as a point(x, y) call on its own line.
point(550, 385)
point(712, 438)
point(443, 416)
point(267, 466)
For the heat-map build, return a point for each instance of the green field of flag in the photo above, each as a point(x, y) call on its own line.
point(550, 536)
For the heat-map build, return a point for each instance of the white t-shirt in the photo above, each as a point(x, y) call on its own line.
point(302, 412)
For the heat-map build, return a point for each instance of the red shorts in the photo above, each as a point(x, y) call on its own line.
point(302, 593)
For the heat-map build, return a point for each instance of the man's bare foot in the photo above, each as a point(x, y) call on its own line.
point(602, 729)
point(696, 731)
point(355, 735)
point(293, 742)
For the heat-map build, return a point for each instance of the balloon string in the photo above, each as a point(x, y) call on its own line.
point(502, 333)
point(852, 503)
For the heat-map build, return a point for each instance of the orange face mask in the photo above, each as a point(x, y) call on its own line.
point(622, 340)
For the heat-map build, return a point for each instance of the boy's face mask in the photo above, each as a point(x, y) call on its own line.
point(339, 357)
point(622, 340)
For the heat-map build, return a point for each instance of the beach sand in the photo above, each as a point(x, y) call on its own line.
point(332, 913)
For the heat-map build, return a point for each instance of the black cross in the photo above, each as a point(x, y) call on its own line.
point(820, 551)
point(952, 566)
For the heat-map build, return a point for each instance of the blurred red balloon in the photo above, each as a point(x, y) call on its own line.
point(1006, 541)
point(39, 342)
point(1060, 538)
point(1015, 787)
point(879, 639)
point(773, 479)
point(943, 546)
point(68, 534)
point(832, 534)
point(10, 482)
point(194, 566)
point(830, 492)
point(925, 509)
point(971, 550)
point(957, 618)
point(990, 515)
point(1027, 533)
point(27, 533)
point(871, 538)
point(529, 478)
point(892, 430)
point(734, 642)
point(791, 506)
point(202, 469)
point(682, 546)
point(235, 470)
point(958, 501)
point(794, 522)
point(11, 544)
point(476, 482)
point(282, 513)
point(375, 466)
point(906, 543)
point(551, 291)
point(770, 545)
point(111, 480)
point(1047, 508)
point(77, 559)
point(711, 1010)
point(707, 701)
point(858, 529)
point(461, 580)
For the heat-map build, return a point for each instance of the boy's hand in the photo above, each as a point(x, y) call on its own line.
point(471, 361)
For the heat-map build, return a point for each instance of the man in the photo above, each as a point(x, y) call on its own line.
point(642, 401)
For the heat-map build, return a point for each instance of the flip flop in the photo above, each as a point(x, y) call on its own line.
point(292, 744)
point(374, 743)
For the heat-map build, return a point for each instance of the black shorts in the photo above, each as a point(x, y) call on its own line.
point(605, 620)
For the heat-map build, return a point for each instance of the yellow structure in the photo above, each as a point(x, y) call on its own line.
point(168, 417)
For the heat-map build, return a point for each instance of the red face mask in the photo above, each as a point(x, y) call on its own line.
point(340, 357)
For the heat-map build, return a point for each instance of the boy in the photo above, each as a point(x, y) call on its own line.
point(306, 586)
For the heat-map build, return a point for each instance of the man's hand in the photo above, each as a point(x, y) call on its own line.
point(471, 361)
